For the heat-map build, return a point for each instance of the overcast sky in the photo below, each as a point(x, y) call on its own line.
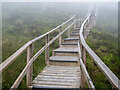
point(59, 0)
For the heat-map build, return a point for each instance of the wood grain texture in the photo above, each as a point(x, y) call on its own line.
point(60, 76)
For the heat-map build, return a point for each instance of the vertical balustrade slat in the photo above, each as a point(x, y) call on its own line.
point(30, 70)
point(60, 37)
point(74, 23)
point(69, 30)
point(47, 50)
point(84, 61)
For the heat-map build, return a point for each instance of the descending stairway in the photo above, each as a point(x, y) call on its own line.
point(63, 71)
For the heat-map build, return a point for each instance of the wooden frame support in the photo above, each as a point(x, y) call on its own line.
point(83, 81)
point(60, 37)
point(30, 70)
point(47, 50)
point(69, 30)
point(74, 23)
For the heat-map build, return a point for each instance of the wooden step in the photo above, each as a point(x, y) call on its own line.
point(58, 77)
point(71, 40)
point(69, 45)
point(76, 28)
point(74, 33)
point(64, 60)
point(74, 36)
point(65, 52)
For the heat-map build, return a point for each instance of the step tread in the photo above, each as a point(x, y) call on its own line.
point(71, 49)
point(74, 34)
point(69, 43)
point(71, 39)
point(60, 77)
point(64, 58)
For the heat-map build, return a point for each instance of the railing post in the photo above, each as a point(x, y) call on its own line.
point(60, 37)
point(74, 23)
point(30, 70)
point(83, 81)
point(69, 31)
point(47, 50)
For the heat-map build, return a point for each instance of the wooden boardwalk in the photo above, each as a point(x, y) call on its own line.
point(64, 69)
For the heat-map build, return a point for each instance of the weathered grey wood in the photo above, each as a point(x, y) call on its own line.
point(68, 32)
point(84, 55)
point(74, 23)
point(68, 45)
point(60, 37)
point(107, 72)
point(64, 58)
point(71, 40)
point(84, 73)
point(58, 78)
point(47, 50)
point(72, 49)
point(12, 58)
point(20, 77)
point(30, 69)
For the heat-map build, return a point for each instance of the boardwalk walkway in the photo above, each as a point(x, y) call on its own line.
point(66, 68)
point(63, 70)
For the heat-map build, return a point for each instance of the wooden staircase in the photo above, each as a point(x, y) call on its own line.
point(63, 71)
point(66, 68)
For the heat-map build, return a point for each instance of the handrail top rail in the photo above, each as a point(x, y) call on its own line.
point(107, 72)
point(22, 74)
point(11, 58)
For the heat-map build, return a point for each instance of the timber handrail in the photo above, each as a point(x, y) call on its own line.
point(12, 58)
point(18, 80)
point(107, 72)
point(84, 70)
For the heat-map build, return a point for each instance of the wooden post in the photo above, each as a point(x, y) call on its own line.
point(79, 22)
point(69, 31)
point(74, 23)
point(83, 81)
point(30, 70)
point(84, 56)
point(60, 37)
point(47, 50)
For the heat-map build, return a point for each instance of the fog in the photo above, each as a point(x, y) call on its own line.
point(106, 12)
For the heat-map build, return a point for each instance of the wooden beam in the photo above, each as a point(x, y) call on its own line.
point(84, 74)
point(47, 50)
point(115, 82)
point(20, 77)
point(60, 37)
point(84, 55)
point(69, 30)
point(74, 23)
point(12, 58)
point(30, 70)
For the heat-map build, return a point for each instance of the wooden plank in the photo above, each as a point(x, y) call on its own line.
point(54, 86)
point(47, 50)
point(20, 77)
point(59, 77)
point(56, 80)
point(64, 58)
point(12, 58)
point(84, 73)
point(30, 69)
point(60, 37)
point(56, 83)
point(107, 72)
point(72, 49)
